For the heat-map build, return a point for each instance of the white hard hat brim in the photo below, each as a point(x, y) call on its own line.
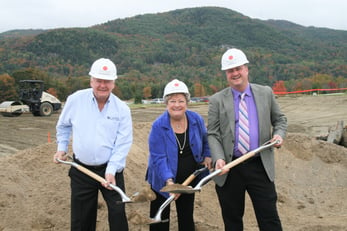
point(176, 92)
point(105, 77)
point(224, 68)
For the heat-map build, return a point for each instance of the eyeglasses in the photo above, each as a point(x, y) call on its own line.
point(176, 102)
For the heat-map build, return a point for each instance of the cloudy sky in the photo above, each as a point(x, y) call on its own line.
point(48, 14)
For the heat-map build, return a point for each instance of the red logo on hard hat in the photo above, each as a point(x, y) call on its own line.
point(231, 57)
point(104, 68)
point(176, 84)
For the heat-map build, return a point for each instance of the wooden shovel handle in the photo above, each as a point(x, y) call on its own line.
point(189, 180)
point(90, 173)
point(238, 160)
point(249, 155)
point(192, 176)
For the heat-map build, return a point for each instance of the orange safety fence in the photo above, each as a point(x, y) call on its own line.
point(310, 90)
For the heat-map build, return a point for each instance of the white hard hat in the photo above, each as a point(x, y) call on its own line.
point(103, 69)
point(233, 58)
point(176, 86)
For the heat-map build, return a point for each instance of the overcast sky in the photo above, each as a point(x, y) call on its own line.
point(50, 14)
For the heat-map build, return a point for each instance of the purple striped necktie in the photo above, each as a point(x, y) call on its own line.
point(244, 141)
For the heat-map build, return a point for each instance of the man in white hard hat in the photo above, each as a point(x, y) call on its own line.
point(101, 128)
point(240, 119)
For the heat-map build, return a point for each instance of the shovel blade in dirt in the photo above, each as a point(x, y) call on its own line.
point(137, 219)
point(145, 195)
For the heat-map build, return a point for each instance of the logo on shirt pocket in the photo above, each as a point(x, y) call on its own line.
point(112, 118)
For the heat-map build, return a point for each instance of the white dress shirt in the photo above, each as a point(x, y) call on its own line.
point(98, 137)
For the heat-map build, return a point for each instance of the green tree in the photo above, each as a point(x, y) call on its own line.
point(147, 92)
point(31, 73)
point(321, 80)
point(7, 88)
point(199, 90)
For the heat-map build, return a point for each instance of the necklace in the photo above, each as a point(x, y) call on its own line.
point(185, 136)
point(179, 143)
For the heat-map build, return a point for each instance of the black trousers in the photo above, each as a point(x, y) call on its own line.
point(251, 177)
point(84, 201)
point(184, 209)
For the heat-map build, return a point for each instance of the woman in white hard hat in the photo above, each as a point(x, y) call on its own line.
point(101, 128)
point(178, 146)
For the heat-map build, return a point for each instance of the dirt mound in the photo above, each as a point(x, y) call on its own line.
point(310, 174)
point(311, 178)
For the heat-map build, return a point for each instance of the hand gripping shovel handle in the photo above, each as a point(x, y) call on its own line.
point(157, 218)
point(236, 162)
point(86, 171)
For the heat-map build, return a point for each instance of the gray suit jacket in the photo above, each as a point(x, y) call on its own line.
point(221, 126)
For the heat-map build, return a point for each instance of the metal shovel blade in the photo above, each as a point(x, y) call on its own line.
point(157, 217)
point(137, 219)
point(178, 188)
point(197, 188)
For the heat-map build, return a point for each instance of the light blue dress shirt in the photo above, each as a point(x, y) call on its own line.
point(98, 137)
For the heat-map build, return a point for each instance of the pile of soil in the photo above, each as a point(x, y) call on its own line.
point(310, 174)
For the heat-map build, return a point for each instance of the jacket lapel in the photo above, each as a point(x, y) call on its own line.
point(259, 99)
point(228, 103)
point(167, 127)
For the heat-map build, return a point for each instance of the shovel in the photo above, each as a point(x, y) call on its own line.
point(157, 217)
point(187, 189)
point(137, 197)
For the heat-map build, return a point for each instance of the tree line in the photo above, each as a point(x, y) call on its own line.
point(127, 88)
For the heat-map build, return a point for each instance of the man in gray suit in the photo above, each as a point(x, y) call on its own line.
point(265, 122)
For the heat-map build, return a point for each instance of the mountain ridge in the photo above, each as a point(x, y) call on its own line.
point(185, 44)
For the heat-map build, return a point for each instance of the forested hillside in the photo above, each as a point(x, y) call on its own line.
point(186, 44)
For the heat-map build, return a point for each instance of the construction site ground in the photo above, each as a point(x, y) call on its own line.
point(310, 174)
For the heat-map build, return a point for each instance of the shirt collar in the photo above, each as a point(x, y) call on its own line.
point(238, 94)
